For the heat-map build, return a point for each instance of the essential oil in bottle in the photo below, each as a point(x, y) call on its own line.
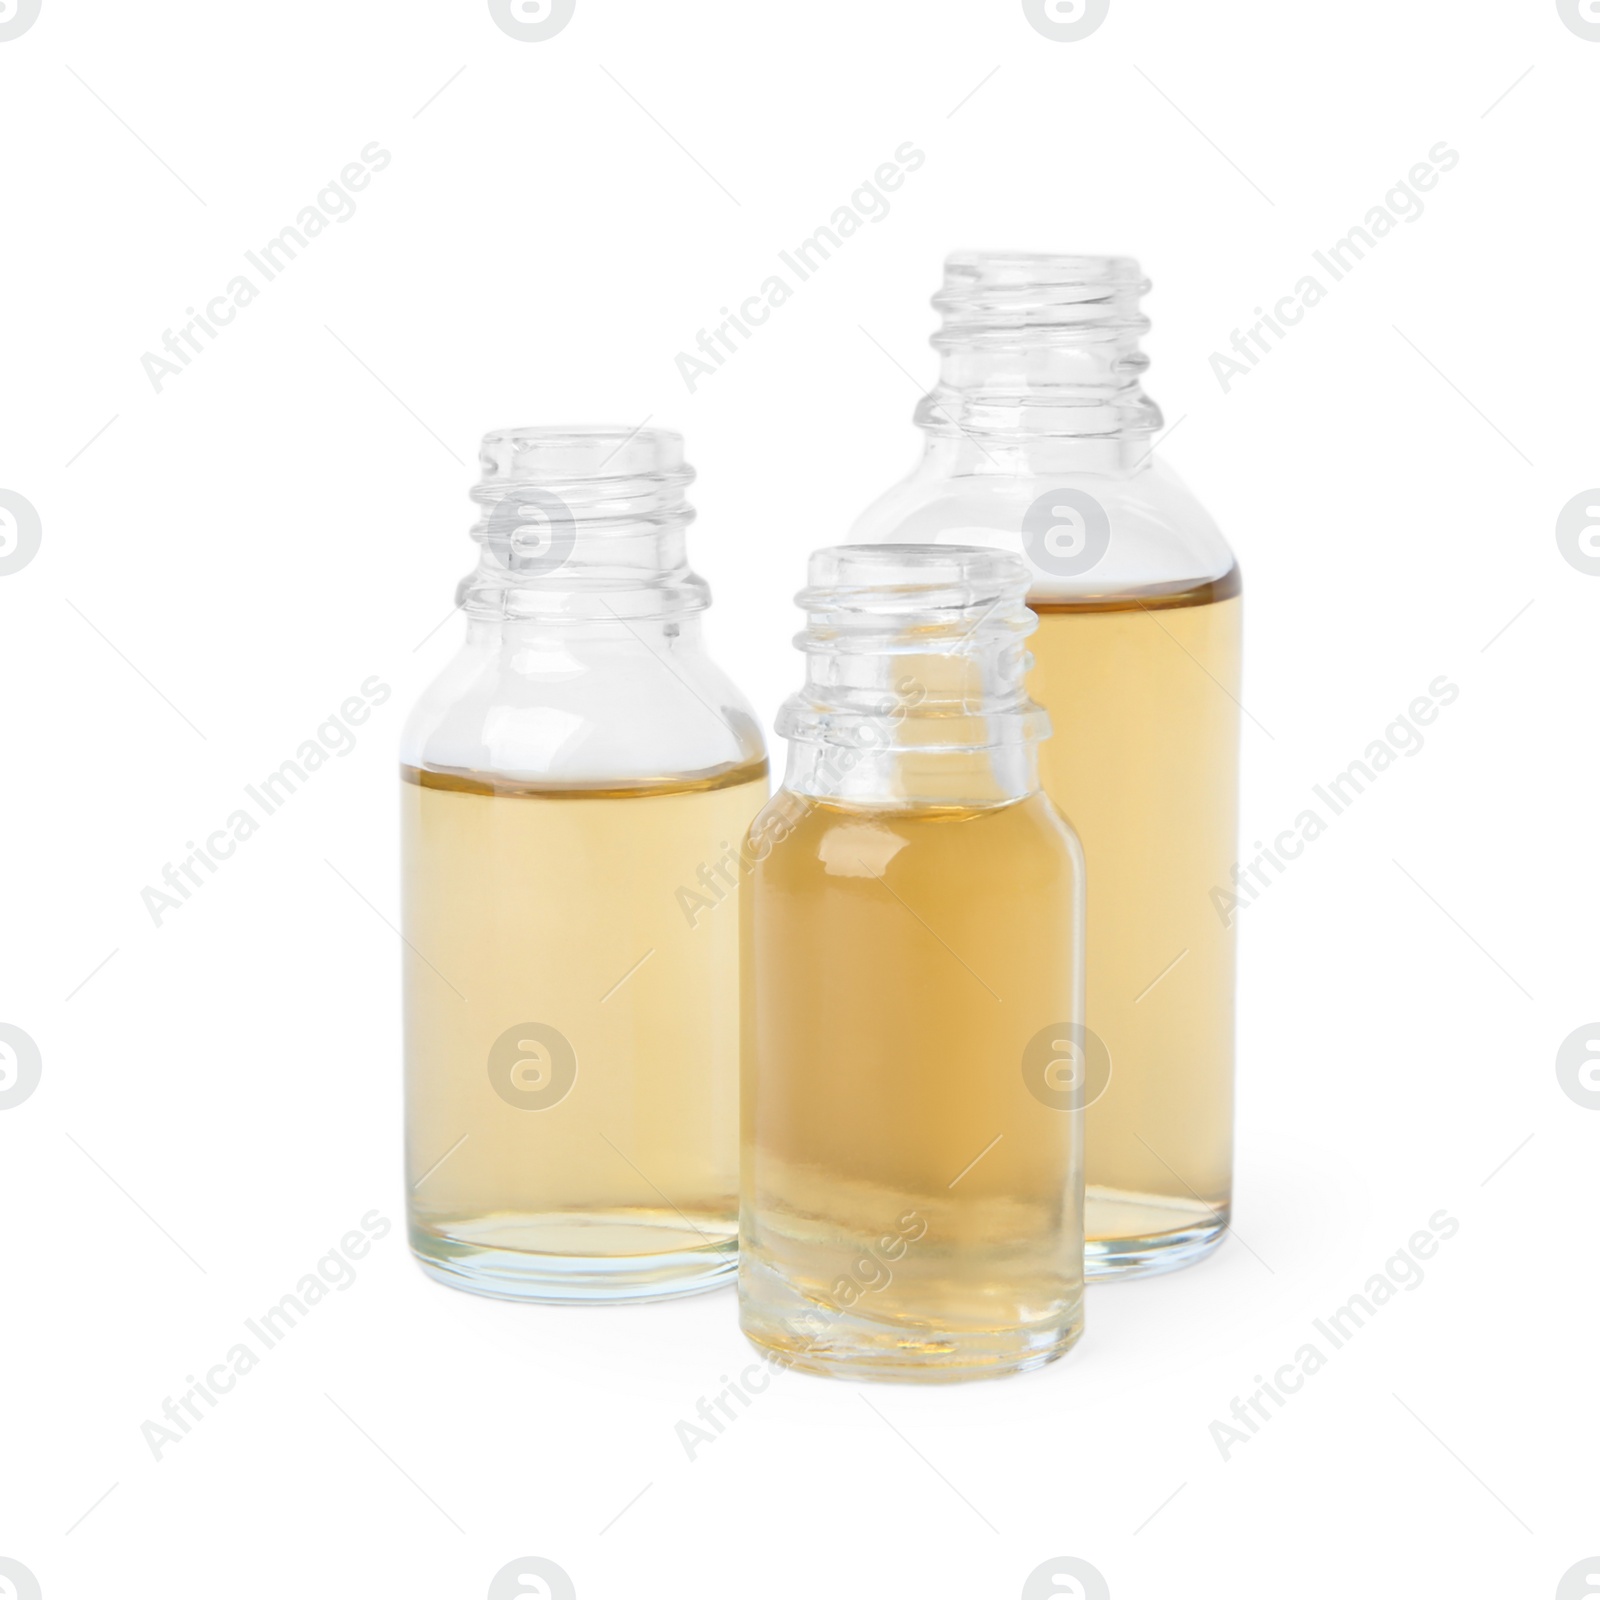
point(1145, 761)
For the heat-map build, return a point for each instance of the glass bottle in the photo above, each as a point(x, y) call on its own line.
point(1039, 441)
point(911, 1194)
point(574, 785)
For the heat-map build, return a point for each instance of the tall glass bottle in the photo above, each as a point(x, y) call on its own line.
point(1039, 439)
point(912, 1184)
point(573, 785)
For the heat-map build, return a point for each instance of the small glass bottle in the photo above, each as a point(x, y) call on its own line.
point(1039, 440)
point(911, 1193)
point(574, 785)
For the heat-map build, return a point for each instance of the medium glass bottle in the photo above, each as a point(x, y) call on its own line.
point(1039, 440)
point(911, 1196)
point(573, 785)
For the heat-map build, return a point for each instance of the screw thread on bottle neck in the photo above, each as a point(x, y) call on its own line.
point(582, 524)
point(916, 661)
point(1039, 347)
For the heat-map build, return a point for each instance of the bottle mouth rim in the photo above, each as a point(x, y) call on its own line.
point(895, 582)
point(577, 453)
point(1018, 268)
point(578, 431)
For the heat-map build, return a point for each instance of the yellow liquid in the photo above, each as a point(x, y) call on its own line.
point(1144, 759)
point(571, 1000)
point(910, 1208)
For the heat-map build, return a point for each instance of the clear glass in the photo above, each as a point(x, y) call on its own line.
point(1040, 441)
point(911, 1194)
point(574, 785)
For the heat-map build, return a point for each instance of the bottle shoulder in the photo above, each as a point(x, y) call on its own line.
point(634, 709)
point(1082, 533)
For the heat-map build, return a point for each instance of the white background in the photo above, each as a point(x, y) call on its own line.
point(228, 559)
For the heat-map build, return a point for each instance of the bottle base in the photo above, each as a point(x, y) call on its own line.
point(479, 1266)
point(793, 1331)
point(1140, 1235)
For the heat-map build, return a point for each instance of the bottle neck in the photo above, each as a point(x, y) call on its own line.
point(915, 668)
point(582, 527)
point(1040, 366)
